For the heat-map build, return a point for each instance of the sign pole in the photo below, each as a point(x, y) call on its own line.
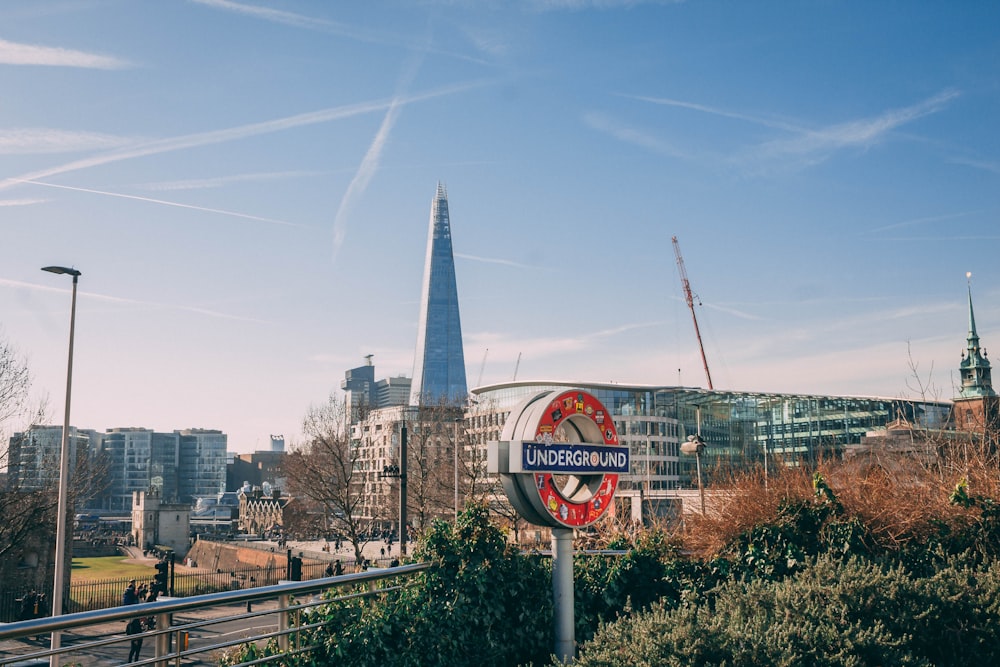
point(562, 593)
point(559, 459)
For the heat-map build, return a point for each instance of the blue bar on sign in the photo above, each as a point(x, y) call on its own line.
point(574, 458)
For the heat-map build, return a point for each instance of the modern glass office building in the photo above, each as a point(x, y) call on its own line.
point(439, 362)
point(740, 429)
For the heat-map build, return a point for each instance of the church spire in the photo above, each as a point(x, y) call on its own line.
point(975, 367)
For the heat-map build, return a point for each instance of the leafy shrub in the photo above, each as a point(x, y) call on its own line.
point(833, 613)
point(480, 603)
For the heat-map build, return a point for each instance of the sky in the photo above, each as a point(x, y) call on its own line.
point(246, 185)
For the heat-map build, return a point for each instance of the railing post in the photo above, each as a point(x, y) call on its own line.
point(283, 622)
point(162, 643)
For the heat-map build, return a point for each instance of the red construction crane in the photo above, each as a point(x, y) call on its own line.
point(689, 297)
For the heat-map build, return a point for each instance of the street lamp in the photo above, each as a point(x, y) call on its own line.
point(458, 420)
point(59, 572)
point(399, 472)
point(695, 445)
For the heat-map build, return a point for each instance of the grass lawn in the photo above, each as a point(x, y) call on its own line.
point(109, 567)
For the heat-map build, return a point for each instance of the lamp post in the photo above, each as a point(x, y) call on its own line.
point(399, 472)
point(695, 445)
point(457, 421)
point(59, 572)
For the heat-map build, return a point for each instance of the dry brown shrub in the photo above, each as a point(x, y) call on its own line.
point(899, 498)
point(746, 499)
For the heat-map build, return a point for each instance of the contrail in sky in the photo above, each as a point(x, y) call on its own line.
point(133, 302)
point(234, 133)
point(167, 203)
point(369, 164)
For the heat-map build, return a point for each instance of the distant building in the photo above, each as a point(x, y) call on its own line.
point(359, 388)
point(202, 463)
point(256, 469)
point(263, 510)
point(439, 361)
point(393, 391)
point(180, 466)
point(33, 455)
point(156, 523)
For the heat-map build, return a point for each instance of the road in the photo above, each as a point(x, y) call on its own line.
point(201, 637)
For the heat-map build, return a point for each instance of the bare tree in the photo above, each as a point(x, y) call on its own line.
point(431, 462)
point(24, 514)
point(325, 472)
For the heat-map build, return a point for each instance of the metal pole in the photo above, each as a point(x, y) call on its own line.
point(701, 488)
point(402, 491)
point(562, 593)
point(58, 575)
point(456, 469)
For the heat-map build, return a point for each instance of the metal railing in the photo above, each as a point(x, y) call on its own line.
point(98, 637)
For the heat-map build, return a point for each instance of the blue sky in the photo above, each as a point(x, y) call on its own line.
point(246, 187)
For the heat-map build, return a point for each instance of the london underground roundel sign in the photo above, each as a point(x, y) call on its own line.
point(559, 459)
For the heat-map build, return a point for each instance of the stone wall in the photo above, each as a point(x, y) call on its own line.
point(227, 556)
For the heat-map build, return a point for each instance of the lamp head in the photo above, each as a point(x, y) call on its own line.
point(61, 270)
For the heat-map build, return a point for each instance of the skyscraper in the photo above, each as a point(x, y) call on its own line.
point(439, 362)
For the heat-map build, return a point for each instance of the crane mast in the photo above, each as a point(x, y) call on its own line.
point(689, 297)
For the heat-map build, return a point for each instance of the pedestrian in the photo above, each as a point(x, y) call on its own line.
point(130, 596)
point(329, 570)
point(134, 625)
point(28, 606)
point(338, 569)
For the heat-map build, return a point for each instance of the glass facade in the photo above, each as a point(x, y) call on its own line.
point(439, 362)
point(201, 463)
point(741, 429)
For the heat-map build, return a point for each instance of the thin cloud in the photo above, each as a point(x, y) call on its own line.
point(131, 302)
point(168, 203)
point(921, 221)
point(992, 167)
point(757, 120)
point(370, 163)
point(33, 141)
point(366, 171)
point(21, 202)
point(13, 53)
point(294, 20)
point(580, 5)
point(223, 181)
point(493, 260)
point(630, 135)
point(808, 146)
point(231, 134)
point(858, 133)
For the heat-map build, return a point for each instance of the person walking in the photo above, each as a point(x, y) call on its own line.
point(134, 625)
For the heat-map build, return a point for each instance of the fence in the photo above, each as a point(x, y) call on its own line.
point(96, 638)
point(102, 594)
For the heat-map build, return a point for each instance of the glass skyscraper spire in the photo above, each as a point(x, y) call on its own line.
point(439, 362)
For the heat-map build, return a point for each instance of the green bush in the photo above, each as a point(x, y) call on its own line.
point(480, 603)
point(832, 613)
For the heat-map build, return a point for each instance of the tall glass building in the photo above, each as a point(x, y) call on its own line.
point(439, 362)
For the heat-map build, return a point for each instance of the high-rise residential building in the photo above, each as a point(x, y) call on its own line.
point(439, 362)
